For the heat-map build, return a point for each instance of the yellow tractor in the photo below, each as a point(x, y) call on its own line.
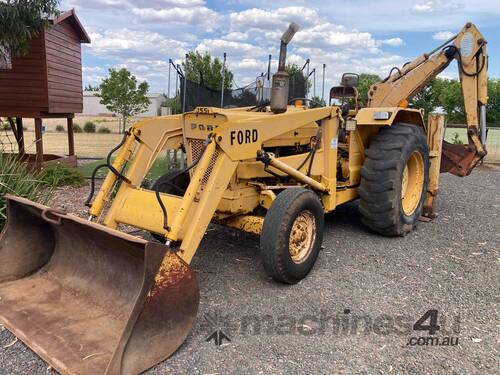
point(90, 299)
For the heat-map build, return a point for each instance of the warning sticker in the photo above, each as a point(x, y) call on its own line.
point(467, 44)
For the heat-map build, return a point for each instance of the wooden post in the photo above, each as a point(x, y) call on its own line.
point(71, 137)
point(20, 137)
point(12, 126)
point(39, 144)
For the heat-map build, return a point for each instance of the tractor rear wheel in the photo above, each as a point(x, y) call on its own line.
point(292, 235)
point(169, 184)
point(394, 180)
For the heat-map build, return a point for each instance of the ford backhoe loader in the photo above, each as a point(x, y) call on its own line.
point(90, 299)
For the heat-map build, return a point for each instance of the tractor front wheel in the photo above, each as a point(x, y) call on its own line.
point(292, 235)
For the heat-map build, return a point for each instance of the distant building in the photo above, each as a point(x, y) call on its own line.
point(93, 107)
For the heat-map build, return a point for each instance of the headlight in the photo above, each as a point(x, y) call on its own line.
point(381, 115)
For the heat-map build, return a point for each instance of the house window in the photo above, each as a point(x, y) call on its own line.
point(5, 59)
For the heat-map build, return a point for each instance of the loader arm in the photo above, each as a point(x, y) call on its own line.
point(188, 216)
point(468, 48)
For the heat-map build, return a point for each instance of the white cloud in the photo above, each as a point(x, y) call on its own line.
point(217, 47)
point(276, 19)
point(247, 64)
point(425, 7)
point(443, 35)
point(237, 36)
point(125, 42)
point(100, 4)
point(92, 79)
point(92, 69)
point(398, 16)
point(174, 3)
point(92, 75)
point(437, 6)
point(393, 42)
point(329, 35)
point(142, 35)
point(196, 16)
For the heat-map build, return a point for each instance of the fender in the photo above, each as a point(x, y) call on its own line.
point(368, 116)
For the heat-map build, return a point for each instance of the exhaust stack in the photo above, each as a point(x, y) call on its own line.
point(279, 94)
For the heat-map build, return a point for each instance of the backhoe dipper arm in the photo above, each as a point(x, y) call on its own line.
point(468, 47)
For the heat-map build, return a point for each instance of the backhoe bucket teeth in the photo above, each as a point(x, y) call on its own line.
point(89, 299)
point(459, 160)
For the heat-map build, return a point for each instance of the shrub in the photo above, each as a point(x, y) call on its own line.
point(77, 128)
point(16, 179)
point(62, 175)
point(89, 127)
point(59, 128)
point(456, 139)
point(104, 130)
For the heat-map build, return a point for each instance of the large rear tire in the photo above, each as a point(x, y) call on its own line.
point(292, 235)
point(170, 185)
point(394, 180)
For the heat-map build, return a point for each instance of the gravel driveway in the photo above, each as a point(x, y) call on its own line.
point(355, 312)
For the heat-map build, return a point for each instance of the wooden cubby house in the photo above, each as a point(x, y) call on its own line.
point(45, 83)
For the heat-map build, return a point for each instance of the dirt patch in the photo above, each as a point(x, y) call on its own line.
point(449, 264)
point(72, 200)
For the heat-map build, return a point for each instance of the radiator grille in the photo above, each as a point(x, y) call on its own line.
point(195, 150)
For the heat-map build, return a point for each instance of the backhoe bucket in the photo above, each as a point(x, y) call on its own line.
point(459, 160)
point(89, 299)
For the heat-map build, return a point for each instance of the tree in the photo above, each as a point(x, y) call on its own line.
point(365, 82)
point(428, 98)
point(450, 98)
point(174, 103)
point(22, 20)
point(89, 87)
point(493, 107)
point(299, 83)
point(317, 102)
point(121, 94)
point(207, 71)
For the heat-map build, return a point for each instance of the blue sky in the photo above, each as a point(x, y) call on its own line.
point(350, 35)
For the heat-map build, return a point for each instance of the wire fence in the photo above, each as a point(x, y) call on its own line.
point(457, 133)
point(253, 94)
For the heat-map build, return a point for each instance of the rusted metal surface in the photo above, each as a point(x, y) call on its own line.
point(246, 223)
point(88, 299)
point(302, 236)
point(459, 160)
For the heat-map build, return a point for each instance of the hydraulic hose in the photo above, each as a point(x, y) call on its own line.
point(110, 167)
point(168, 182)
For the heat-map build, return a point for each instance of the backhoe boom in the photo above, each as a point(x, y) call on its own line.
point(468, 48)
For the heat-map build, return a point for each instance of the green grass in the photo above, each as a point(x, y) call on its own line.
point(62, 175)
point(16, 179)
point(158, 169)
point(492, 144)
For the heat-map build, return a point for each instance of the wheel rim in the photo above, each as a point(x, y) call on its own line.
point(302, 236)
point(412, 183)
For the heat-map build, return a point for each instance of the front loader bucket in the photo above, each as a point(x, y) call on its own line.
point(89, 299)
